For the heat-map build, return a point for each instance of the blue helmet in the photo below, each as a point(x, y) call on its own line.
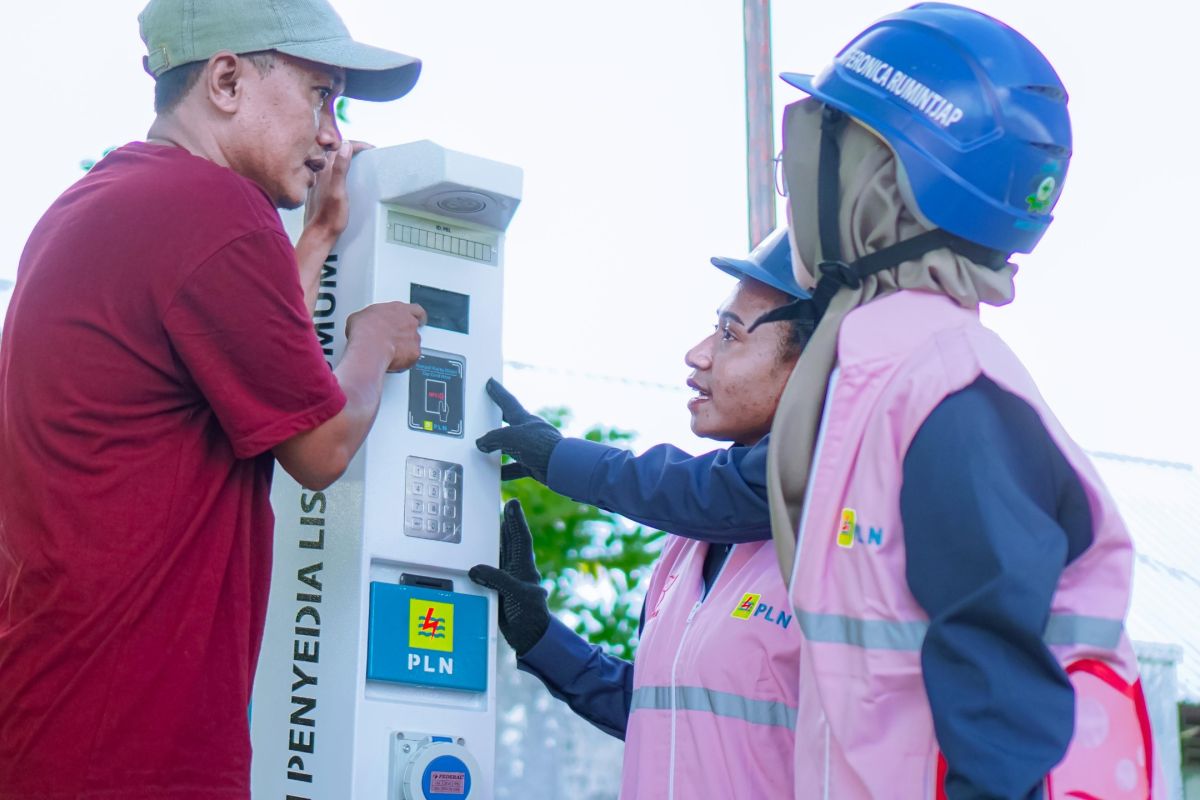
point(769, 263)
point(975, 114)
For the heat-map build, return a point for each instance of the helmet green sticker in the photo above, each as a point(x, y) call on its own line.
point(1039, 201)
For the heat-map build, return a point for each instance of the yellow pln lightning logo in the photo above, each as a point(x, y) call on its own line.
point(746, 607)
point(431, 626)
point(845, 534)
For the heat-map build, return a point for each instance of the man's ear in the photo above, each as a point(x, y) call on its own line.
point(223, 81)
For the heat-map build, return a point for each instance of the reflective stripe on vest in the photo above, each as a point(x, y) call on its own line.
point(884, 634)
point(721, 704)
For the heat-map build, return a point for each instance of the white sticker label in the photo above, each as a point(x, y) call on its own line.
point(447, 783)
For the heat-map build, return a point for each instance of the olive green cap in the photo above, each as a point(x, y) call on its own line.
point(178, 32)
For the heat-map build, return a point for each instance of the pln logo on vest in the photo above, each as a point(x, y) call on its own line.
point(850, 531)
point(431, 628)
point(751, 606)
point(746, 607)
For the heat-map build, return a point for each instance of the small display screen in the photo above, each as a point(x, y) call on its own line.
point(447, 310)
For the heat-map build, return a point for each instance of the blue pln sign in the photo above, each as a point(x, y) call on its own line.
point(427, 637)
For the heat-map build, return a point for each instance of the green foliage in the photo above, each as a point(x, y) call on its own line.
point(591, 561)
point(339, 110)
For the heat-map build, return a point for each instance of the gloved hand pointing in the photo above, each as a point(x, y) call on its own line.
point(528, 440)
point(524, 614)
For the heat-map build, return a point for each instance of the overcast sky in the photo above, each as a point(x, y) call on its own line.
point(627, 117)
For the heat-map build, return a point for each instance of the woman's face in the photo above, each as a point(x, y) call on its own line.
point(738, 376)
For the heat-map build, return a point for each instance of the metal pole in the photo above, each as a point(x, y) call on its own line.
point(760, 120)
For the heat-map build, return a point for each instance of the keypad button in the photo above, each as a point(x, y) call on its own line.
point(418, 471)
point(451, 493)
point(434, 509)
point(416, 506)
point(435, 474)
point(417, 488)
point(431, 525)
point(435, 491)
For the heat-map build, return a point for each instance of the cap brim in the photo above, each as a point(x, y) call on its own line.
point(733, 266)
point(799, 80)
point(372, 73)
point(741, 268)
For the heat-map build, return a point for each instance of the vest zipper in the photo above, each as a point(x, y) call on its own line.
point(674, 666)
point(825, 723)
point(687, 624)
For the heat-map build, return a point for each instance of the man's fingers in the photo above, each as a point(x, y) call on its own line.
point(511, 410)
point(339, 160)
point(514, 470)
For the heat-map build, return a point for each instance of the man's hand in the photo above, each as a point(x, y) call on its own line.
point(524, 613)
point(393, 327)
point(528, 440)
point(381, 336)
point(326, 213)
point(327, 209)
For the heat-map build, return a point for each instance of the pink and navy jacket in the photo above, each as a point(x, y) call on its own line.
point(715, 680)
point(863, 725)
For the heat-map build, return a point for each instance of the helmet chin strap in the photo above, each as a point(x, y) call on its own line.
point(800, 310)
point(835, 273)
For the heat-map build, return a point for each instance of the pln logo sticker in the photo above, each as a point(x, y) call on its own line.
point(746, 607)
point(850, 530)
point(432, 626)
point(845, 534)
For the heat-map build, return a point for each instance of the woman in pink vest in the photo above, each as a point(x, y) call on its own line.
point(958, 572)
point(708, 707)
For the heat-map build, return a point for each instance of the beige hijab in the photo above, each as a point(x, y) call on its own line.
point(875, 210)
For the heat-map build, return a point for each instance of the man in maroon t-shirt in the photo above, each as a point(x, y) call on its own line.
point(157, 359)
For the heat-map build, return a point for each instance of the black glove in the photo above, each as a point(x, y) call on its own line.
point(528, 440)
point(524, 614)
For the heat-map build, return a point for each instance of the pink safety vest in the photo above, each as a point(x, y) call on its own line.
point(714, 697)
point(864, 729)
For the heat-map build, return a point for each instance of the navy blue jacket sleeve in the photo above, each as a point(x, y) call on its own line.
point(719, 496)
point(597, 686)
point(992, 513)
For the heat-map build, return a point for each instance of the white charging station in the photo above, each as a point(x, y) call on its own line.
point(376, 677)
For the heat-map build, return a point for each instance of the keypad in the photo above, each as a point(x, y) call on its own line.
point(433, 499)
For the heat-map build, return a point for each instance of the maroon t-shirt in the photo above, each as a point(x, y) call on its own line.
point(156, 348)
